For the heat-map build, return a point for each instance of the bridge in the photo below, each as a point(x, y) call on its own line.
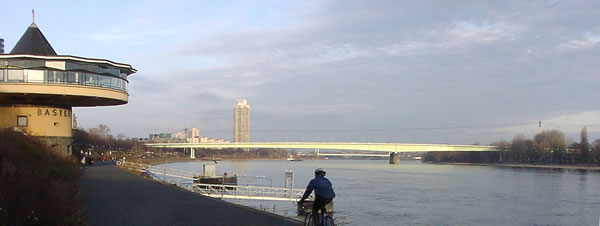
point(392, 148)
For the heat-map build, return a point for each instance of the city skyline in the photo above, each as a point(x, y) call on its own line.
point(432, 72)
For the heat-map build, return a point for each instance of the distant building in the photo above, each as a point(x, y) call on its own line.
point(140, 139)
point(159, 136)
point(192, 135)
point(179, 136)
point(212, 140)
point(241, 121)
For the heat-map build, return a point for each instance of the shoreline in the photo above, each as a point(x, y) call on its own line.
point(523, 165)
point(155, 162)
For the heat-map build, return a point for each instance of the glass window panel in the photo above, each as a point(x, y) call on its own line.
point(17, 63)
point(48, 76)
point(58, 76)
point(22, 120)
point(15, 75)
point(73, 66)
point(71, 77)
point(91, 79)
point(81, 77)
point(114, 71)
point(34, 63)
point(114, 83)
point(104, 81)
point(35, 76)
point(2, 75)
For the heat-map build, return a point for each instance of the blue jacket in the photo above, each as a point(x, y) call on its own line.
point(322, 187)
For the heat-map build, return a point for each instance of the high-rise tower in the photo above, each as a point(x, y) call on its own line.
point(39, 88)
point(241, 121)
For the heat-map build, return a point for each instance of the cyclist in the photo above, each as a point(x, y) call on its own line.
point(323, 192)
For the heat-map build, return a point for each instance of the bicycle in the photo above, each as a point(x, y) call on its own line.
point(326, 220)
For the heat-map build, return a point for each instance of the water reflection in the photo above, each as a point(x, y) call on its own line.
point(240, 167)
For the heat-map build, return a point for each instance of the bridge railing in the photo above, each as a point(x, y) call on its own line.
point(248, 192)
point(218, 190)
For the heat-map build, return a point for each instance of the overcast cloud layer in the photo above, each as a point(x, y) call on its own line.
point(426, 71)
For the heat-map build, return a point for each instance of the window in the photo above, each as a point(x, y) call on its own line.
point(91, 79)
point(104, 81)
point(15, 75)
point(2, 73)
point(115, 83)
point(73, 66)
point(35, 76)
point(22, 120)
point(71, 77)
point(56, 76)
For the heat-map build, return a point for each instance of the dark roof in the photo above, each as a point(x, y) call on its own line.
point(33, 42)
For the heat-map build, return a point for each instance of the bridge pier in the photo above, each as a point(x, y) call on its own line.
point(394, 158)
point(192, 153)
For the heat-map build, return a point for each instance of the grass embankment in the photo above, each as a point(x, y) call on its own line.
point(37, 186)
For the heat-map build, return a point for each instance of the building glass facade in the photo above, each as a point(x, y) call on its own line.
point(38, 71)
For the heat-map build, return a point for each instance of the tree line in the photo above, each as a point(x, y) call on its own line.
point(99, 141)
point(549, 146)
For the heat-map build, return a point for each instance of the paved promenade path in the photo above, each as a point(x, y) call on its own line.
point(113, 196)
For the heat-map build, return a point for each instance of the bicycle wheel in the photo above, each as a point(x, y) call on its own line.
point(329, 221)
point(308, 220)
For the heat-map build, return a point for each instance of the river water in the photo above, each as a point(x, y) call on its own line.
point(373, 192)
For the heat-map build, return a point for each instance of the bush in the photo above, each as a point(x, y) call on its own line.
point(37, 185)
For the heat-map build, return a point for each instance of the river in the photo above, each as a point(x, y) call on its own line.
point(373, 192)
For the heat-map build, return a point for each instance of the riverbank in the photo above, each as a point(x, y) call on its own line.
point(38, 186)
point(113, 196)
point(523, 165)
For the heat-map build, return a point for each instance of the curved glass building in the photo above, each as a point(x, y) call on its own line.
point(39, 88)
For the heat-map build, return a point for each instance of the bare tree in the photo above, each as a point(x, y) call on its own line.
point(121, 136)
point(503, 146)
point(584, 146)
point(596, 151)
point(102, 131)
point(519, 148)
point(551, 144)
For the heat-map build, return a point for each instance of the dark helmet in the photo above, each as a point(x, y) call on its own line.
point(320, 171)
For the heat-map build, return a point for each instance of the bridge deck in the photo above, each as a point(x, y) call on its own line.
point(379, 147)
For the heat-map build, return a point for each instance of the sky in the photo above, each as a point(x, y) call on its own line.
point(457, 72)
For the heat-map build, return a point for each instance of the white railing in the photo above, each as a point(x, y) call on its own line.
point(219, 190)
point(164, 171)
point(248, 192)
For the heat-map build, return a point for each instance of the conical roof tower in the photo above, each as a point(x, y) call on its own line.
point(33, 42)
point(39, 89)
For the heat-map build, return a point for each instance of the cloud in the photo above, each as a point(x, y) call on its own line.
point(569, 123)
point(588, 41)
point(478, 31)
point(328, 109)
point(122, 35)
point(357, 64)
